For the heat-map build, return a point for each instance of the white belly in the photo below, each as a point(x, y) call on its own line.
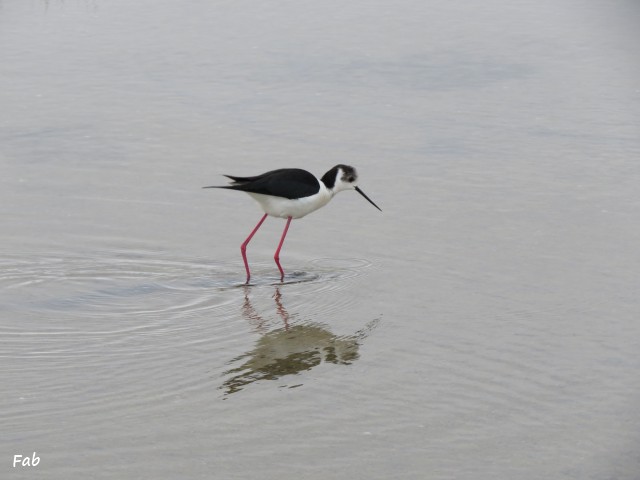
point(298, 208)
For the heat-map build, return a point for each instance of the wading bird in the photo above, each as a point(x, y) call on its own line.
point(292, 193)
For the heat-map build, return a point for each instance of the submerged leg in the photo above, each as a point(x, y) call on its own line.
point(276, 257)
point(243, 247)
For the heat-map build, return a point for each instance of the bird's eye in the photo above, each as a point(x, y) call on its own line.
point(351, 179)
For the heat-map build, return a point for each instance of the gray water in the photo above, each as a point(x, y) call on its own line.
point(485, 325)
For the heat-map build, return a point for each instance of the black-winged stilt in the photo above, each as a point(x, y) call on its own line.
point(292, 193)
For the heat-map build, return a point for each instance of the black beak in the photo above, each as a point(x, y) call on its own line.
point(368, 199)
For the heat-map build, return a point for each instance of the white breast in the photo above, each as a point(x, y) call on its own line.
point(296, 208)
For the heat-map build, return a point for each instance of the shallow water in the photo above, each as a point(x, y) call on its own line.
point(484, 325)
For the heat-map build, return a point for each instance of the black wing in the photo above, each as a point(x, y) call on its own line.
point(285, 182)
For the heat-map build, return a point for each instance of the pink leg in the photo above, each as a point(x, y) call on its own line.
point(276, 257)
point(243, 247)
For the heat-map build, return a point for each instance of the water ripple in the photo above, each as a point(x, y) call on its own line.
point(61, 304)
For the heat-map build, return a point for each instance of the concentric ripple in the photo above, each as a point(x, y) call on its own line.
point(95, 286)
point(144, 292)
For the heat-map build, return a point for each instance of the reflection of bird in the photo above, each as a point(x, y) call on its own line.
point(292, 193)
point(290, 349)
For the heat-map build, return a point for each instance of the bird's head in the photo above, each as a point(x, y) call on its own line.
point(343, 177)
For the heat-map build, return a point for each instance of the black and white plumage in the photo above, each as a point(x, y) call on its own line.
point(292, 193)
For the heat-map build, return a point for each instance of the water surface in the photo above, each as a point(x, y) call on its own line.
point(483, 326)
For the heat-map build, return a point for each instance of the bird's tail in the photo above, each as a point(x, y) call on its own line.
point(235, 181)
point(239, 179)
